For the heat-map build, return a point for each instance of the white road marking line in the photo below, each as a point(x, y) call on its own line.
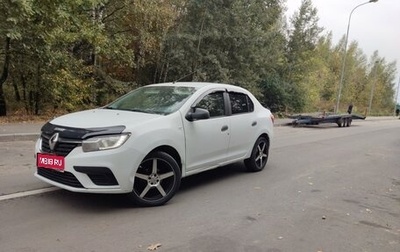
point(27, 193)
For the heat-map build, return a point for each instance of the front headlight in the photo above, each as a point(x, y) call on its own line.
point(104, 142)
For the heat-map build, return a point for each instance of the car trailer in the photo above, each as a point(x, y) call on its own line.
point(343, 120)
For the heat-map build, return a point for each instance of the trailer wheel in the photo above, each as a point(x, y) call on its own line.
point(349, 122)
point(339, 122)
point(344, 123)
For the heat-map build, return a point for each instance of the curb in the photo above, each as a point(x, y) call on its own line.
point(19, 137)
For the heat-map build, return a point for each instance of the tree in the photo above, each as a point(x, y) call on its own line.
point(58, 56)
point(14, 13)
point(4, 76)
point(234, 41)
point(327, 73)
point(274, 93)
point(303, 37)
point(380, 89)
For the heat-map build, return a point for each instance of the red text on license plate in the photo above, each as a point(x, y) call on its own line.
point(50, 161)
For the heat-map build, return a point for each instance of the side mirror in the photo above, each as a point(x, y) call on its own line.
point(197, 114)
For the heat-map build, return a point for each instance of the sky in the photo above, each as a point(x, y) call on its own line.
point(375, 26)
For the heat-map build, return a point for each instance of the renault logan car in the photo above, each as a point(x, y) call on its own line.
point(145, 142)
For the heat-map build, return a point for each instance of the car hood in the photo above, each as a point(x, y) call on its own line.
point(102, 118)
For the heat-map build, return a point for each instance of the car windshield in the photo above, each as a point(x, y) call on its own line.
point(154, 99)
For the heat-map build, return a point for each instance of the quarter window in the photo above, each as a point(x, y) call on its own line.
point(240, 103)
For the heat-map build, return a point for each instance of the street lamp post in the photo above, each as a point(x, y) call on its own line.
point(344, 54)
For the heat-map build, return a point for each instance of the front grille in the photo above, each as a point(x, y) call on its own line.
point(65, 178)
point(62, 148)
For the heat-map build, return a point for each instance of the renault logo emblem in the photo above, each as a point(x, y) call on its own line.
point(53, 141)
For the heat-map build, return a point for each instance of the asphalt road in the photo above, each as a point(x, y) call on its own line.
point(324, 189)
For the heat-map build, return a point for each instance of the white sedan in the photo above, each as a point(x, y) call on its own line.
point(146, 141)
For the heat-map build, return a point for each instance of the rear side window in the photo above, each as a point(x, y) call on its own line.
point(240, 103)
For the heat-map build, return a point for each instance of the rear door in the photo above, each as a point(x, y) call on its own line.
point(243, 124)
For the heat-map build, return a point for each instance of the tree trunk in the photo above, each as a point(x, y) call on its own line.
point(3, 78)
point(25, 97)
point(17, 94)
point(37, 90)
point(3, 106)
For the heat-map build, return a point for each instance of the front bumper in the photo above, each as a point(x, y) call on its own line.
point(109, 171)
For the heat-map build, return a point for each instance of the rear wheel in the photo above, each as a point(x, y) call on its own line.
point(259, 155)
point(156, 180)
point(345, 121)
point(349, 120)
point(342, 122)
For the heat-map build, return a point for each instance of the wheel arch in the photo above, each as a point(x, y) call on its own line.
point(258, 153)
point(263, 134)
point(267, 137)
point(170, 151)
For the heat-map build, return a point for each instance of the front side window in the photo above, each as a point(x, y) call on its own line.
point(154, 99)
point(214, 103)
point(240, 103)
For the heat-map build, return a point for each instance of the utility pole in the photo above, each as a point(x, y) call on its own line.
point(395, 98)
point(344, 55)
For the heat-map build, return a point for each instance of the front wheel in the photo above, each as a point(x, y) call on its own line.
point(156, 180)
point(259, 155)
point(339, 122)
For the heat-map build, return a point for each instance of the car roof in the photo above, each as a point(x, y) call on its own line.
point(199, 85)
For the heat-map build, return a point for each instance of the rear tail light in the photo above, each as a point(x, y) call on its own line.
point(272, 118)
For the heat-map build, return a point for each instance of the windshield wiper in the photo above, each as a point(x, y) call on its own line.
point(139, 110)
point(131, 110)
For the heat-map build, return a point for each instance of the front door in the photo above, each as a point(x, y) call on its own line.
point(207, 140)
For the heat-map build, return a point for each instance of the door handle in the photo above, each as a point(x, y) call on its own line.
point(254, 123)
point(224, 128)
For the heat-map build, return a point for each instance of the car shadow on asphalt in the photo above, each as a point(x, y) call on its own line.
point(322, 126)
point(88, 202)
point(212, 176)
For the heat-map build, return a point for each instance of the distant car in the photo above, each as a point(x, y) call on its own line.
point(143, 143)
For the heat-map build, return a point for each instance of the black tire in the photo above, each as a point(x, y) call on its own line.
point(259, 155)
point(343, 120)
point(339, 122)
point(349, 120)
point(156, 180)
